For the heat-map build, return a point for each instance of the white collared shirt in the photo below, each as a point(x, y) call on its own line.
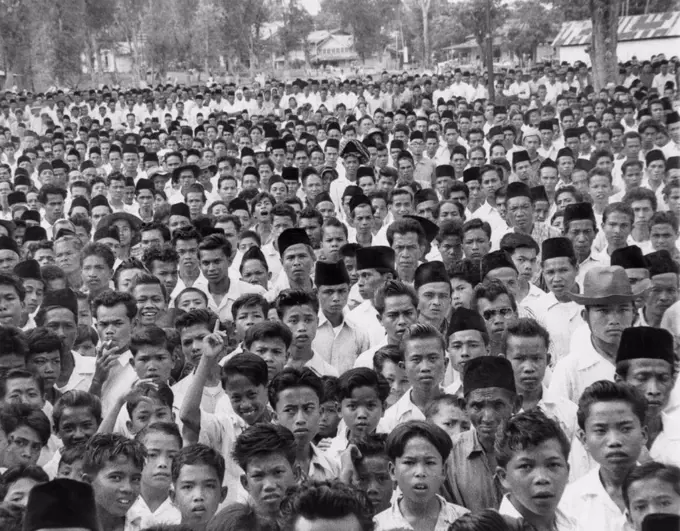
point(580, 368)
point(563, 522)
point(592, 507)
point(561, 320)
point(365, 359)
point(401, 411)
point(139, 516)
point(83, 372)
point(237, 288)
point(665, 446)
point(367, 316)
point(320, 367)
point(391, 518)
point(342, 345)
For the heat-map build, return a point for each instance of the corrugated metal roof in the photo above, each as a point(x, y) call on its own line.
point(654, 26)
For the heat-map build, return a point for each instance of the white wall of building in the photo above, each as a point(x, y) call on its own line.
point(643, 49)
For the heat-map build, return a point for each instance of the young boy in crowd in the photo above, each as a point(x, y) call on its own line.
point(270, 341)
point(425, 364)
point(299, 311)
point(467, 339)
point(446, 412)
point(163, 442)
point(113, 465)
point(266, 453)
point(191, 299)
point(247, 311)
point(16, 483)
point(330, 412)
point(75, 418)
point(372, 472)
point(362, 394)
point(611, 420)
point(26, 431)
point(651, 488)
point(295, 395)
point(197, 477)
point(71, 463)
point(418, 451)
point(531, 458)
point(388, 362)
point(86, 341)
point(44, 359)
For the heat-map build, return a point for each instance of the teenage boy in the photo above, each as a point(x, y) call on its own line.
point(562, 316)
point(297, 259)
point(651, 488)
point(433, 287)
point(396, 304)
point(26, 431)
point(214, 256)
point(299, 311)
point(375, 265)
point(580, 227)
point(526, 347)
point(113, 466)
point(162, 441)
point(266, 453)
point(531, 457)
point(611, 419)
point(425, 363)
point(75, 418)
point(295, 395)
point(338, 339)
point(608, 302)
point(361, 395)
point(193, 327)
point(663, 272)
point(490, 400)
point(645, 360)
point(467, 339)
point(418, 453)
point(270, 341)
point(197, 475)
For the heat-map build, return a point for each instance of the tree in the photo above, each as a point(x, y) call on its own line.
point(605, 19)
point(297, 23)
point(367, 20)
point(532, 24)
point(16, 16)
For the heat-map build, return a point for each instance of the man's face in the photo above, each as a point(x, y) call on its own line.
point(114, 325)
point(663, 237)
point(214, 265)
point(63, 323)
point(476, 244)
point(489, 409)
point(96, 273)
point(529, 358)
point(117, 486)
point(197, 494)
point(497, 314)
point(662, 295)
point(298, 409)
point(613, 435)
point(651, 495)
point(538, 487)
point(408, 253)
point(11, 306)
point(151, 303)
point(654, 379)
point(608, 322)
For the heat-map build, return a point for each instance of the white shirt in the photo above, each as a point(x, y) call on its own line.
point(320, 367)
point(237, 288)
point(401, 411)
point(365, 359)
point(579, 369)
point(211, 395)
point(367, 316)
point(665, 446)
point(561, 320)
point(83, 372)
point(563, 522)
point(588, 501)
point(391, 518)
point(139, 516)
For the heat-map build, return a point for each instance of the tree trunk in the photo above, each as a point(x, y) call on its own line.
point(425, 4)
point(605, 18)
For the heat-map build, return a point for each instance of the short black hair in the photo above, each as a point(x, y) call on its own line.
point(76, 398)
point(263, 439)
point(651, 470)
point(525, 327)
point(196, 317)
point(288, 298)
point(253, 367)
point(167, 428)
point(13, 416)
point(393, 353)
point(13, 341)
point(525, 430)
point(605, 391)
point(362, 377)
point(268, 330)
point(105, 447)
point(314, 500)
point(198, 454)
point(110, 298)
point(17, 472)
point(248, 300)
point(403, 433)
point(151, 335)
point(290, 378)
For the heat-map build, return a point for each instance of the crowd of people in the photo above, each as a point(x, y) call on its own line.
point(385, 303)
